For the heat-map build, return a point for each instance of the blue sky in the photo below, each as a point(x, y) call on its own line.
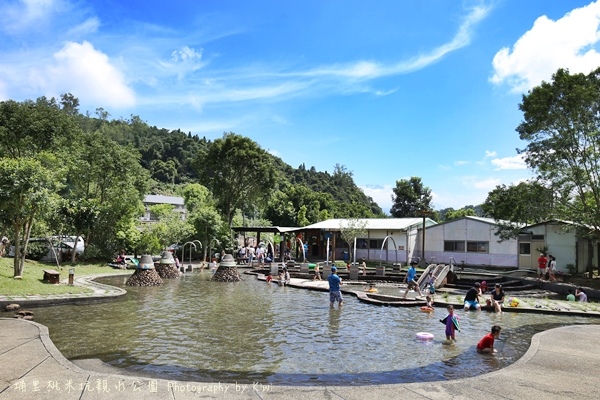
point(388, 89)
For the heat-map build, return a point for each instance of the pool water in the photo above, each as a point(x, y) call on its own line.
point(194, 329)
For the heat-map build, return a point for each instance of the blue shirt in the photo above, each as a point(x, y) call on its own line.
point(412, 272)
point(334, 283)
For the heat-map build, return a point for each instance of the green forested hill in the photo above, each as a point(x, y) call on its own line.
point(172, 158)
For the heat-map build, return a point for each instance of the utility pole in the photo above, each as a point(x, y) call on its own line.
point(424, 214)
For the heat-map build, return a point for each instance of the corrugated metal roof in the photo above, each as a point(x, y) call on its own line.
point(160, 199)
point(490, 221)
point(389, 224)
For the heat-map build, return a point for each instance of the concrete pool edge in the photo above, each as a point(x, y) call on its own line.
point(567, 354)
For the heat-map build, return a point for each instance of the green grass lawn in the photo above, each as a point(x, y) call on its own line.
point(33, 272)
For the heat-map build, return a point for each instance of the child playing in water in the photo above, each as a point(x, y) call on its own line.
point(429, 301)
point(451, 322)
point(486, 344)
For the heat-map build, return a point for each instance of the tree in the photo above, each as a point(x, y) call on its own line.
point(237, 171)
point(26, 188)
point(111, 178)
point(29, 128)
point(409, 198)
point(353, 229)
point(516, 206)
point(562, 126)
point(203, 216)
point(456, 214)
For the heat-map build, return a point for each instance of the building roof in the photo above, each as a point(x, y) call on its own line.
point(389, 224)
point(489, 221)
point(280, 229)
point(161, 199)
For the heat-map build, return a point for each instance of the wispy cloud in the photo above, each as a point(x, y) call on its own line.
point(565, 43)
point(515, 162)
point(367, 70)
point(481, 183)
point(144, 73)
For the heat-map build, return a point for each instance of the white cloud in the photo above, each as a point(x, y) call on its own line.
point(3, 91)
point(88, 26)
point(550, 45)
point(382, 195)
point(490, 154)
point(476, 182)
point(515, 162)
point(87, 72)
point(19, 16)
point(461, 162)
point(372, 70)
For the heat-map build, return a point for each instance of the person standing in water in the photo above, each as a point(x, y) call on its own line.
point(451, 322)
point(334, 288)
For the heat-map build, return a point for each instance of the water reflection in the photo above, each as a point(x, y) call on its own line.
point(195, 329)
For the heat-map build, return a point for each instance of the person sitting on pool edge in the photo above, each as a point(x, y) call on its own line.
point(497, 297)
point(486, 344)
point(472, 298)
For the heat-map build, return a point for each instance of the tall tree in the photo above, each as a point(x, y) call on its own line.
point(237, 171)
point(27, 187)
point(409, 198)
point(562, 126)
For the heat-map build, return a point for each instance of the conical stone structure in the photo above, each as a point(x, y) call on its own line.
point(145, 274)
point(166, 267)
point(227, 271)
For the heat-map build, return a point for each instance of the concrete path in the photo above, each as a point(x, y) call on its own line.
point(561, 363)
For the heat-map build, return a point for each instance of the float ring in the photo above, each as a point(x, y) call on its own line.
point(424, 336)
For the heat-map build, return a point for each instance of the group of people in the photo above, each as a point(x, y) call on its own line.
point(546, 267)
point(246, 255)
point(579, 294)
point(472, 298)
point(283, 278)
point(485, 345)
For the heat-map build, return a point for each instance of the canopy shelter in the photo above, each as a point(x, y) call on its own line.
point(269, 229)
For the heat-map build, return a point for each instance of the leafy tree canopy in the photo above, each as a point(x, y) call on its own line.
point(561, 126)
point(410, 197)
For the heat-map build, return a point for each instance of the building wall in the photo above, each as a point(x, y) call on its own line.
point(561, 243)
point(394, 247)
point(469, 230)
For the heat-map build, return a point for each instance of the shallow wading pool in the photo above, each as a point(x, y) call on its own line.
point(194, 329)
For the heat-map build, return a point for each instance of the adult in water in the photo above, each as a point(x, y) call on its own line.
point(334, 288)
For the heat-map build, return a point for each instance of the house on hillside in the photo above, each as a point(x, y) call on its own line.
point(156, 199)
point(470, 241)
point(387, 239)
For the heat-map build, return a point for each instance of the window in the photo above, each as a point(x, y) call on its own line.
point(478, 247)
point(537, 237)
point(375, 243)
point(453, 245)
point(525, 248)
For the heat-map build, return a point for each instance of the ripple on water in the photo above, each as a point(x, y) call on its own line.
point(195, 329)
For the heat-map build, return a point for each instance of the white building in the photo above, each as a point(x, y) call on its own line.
point(470, 241)
point(387, 239)
point(560, 239)
point(156, 199)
